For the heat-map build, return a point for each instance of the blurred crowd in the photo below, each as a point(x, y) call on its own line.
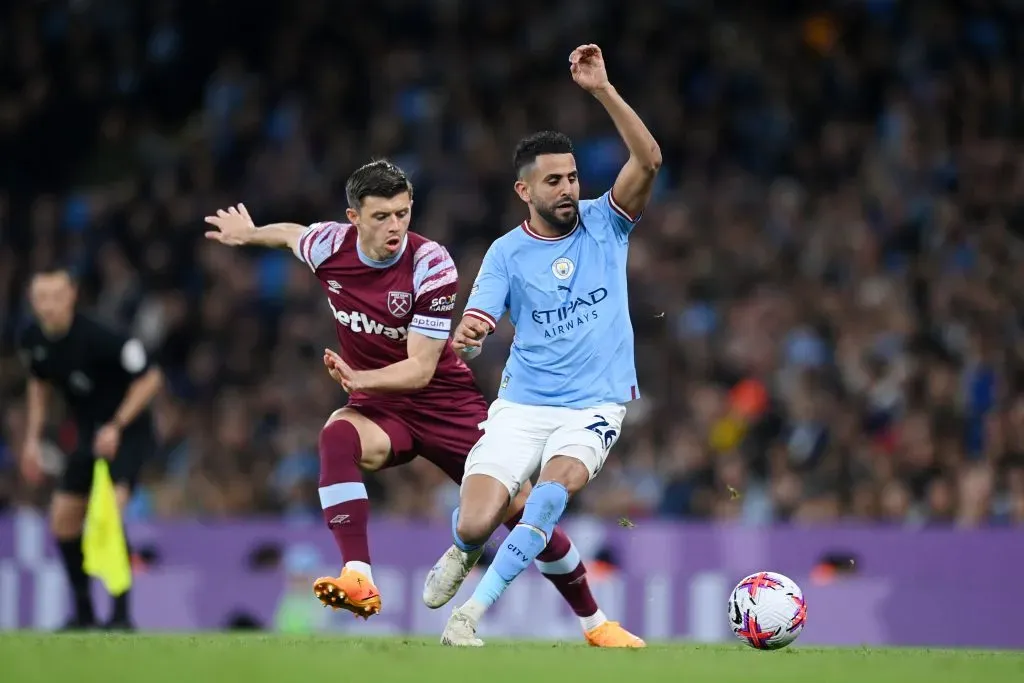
point(827, 289)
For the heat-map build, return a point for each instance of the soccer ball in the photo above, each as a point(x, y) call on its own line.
point(767, 611)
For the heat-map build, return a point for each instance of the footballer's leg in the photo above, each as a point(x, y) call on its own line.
point(138, 443)
point(573, 455)
point(497, 466)
point(488, 480)
point(544, 506)
point(572, 467)
point(483, 504)
point(67, 517)
point(560, 562)
point(350, 443)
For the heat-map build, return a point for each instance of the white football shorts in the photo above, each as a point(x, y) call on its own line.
point(520, 439)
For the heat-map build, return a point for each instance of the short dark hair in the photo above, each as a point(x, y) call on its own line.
point(379, 178)
point(544, 142)
point(50, 268)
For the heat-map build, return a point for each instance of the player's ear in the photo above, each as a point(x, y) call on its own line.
point(352, 215)
point(72, 288)
point(523, 190)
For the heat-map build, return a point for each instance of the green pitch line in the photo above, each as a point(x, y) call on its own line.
point(230, 658)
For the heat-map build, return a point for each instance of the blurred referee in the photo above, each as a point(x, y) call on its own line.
point(107, 383)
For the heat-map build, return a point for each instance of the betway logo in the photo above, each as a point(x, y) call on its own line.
point(360, 322)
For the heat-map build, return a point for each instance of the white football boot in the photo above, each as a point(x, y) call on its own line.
point(446, 576)
point(460, 631)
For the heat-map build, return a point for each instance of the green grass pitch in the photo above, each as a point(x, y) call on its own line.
point(230, 658)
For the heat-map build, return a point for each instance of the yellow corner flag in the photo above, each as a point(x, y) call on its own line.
point(103, 543)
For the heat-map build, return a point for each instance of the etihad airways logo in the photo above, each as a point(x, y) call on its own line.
point(572, 315)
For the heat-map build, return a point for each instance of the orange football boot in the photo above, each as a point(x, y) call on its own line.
point(352, 591)
point(611, 634)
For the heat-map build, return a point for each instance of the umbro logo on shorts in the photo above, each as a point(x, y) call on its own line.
point(338, 519)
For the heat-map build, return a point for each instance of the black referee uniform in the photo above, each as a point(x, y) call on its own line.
point(92, 366)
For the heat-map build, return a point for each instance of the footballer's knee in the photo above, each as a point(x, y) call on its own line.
point(67, 515)
point(482, 507)
point(476, 529)
point(368, 443)
point(567, 470)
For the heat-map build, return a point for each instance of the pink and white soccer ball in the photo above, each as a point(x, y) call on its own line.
point(767, 611)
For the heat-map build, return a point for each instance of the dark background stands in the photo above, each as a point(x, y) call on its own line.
point(827, 290)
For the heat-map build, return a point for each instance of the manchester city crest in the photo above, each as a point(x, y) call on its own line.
point(563, 268)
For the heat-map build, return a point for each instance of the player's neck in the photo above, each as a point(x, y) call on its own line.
point(377, 257)
point(57, 329)
point(541, 227)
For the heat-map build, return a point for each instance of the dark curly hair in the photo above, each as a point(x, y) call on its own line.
point(533, 146)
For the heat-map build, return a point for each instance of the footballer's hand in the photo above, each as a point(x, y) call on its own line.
point(234, 226)
point(586, 64)
point(470, 334)
point(107, 441)
point(340, 371)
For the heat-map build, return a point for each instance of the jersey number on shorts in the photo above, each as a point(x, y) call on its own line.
point(601, 429)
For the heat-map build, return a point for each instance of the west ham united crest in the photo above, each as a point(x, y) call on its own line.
point(563, 268)
point(399, 303)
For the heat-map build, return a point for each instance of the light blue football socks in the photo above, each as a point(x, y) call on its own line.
point(459, 543)
point(544, 507)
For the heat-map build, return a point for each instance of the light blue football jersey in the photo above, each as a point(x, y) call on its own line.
point(567, 299)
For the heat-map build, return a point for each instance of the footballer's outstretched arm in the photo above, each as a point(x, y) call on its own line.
point(38, 399)
point(488, 301)
point(236, 228)
point(635, 183)
point(415, 372)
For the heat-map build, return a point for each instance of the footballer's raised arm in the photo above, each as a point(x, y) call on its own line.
point(635, 183)
point(235, 227)
point(311, 244)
